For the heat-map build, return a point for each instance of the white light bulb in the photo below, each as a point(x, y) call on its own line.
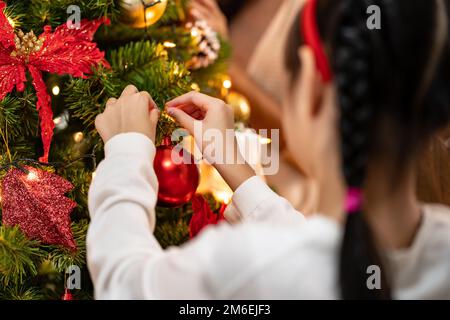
point(55, 90)
point(78, 136)
point(169, 44)
point(31, 176)
point(227, 84)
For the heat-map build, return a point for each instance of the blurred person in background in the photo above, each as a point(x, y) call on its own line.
point(258, 30)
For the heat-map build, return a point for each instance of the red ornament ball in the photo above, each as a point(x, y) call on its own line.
point(67, 296)
point(178, 179)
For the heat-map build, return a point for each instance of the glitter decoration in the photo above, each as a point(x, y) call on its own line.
point(35, 201)
point(207, 43)
point(68, 50)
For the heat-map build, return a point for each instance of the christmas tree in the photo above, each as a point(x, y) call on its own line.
point(60, 61)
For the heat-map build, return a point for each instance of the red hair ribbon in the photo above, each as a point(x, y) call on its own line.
point(312, 39)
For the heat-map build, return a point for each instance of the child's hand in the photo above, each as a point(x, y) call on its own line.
point(195, 110)
point(134, 111)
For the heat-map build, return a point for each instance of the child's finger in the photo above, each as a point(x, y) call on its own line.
point(192, 110)
point(185, 120)
point(100, 126)
point(98, 121)
point(198, 114)
point(200, 100)
point(189, 108)
point(111, 101)
point(148, 97)
point(129, 90)
point(154, 116)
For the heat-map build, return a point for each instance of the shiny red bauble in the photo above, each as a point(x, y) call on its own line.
point(67, 295)
point(178, 179)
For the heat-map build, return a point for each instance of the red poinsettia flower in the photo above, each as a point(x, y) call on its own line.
point(68, 50)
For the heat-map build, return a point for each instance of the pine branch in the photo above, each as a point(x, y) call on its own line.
point(86, 98)
point(18, 255)
point(172, 233)
point(119, 34)
point(175, 12)
point(172, 224)
point(23, 292)
point(20, 148)
point(163, 80)
point(9, 116)
point(62, 258)
point(35, 14)
point(81, 179)
point(135, 56)
point(18, 119)
point(144, 64)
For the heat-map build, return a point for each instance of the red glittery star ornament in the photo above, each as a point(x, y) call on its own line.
point(35, 201)
point(68, 50)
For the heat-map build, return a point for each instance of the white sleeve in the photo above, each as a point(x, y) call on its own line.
point(124, 258)
point(254, 200)
point(122, 198)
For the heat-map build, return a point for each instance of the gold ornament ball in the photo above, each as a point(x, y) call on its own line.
point(141, 13)
point(240, 105)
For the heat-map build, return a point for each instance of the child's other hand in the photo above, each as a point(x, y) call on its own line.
point(134, 111)
point(195, 110)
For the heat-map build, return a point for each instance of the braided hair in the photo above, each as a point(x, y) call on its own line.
point(352, 57)
point(393, 94)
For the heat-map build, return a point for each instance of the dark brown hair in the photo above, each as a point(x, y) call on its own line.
point(393, 95)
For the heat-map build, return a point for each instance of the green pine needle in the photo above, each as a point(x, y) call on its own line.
point(18, 255)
